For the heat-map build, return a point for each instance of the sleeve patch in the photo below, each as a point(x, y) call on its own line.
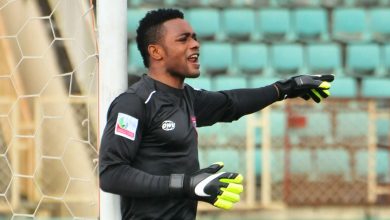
point(126, 126)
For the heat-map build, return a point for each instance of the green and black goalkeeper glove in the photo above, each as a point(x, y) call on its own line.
point(305, 86)
point(219, 189)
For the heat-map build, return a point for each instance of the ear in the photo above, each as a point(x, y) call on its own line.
point(155, 52)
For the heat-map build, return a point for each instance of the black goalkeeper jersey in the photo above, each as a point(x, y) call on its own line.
point(151, 133)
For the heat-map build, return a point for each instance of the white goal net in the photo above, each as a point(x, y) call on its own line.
point(48, 110)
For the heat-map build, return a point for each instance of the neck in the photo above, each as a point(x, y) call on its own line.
point(167, 78)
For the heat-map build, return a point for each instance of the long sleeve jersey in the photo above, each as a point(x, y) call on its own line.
point(151, 134)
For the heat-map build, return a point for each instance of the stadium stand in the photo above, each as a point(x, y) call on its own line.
point(133, 17)
point(386, 59)
point(344, 87)
point(380, 24)
point(363, 59)
point(287, 58)
point(275, 24)
point(311, 24)
point(205, 22)
point(135, 62)
point(376, 88)
point(216, 57)
point(251, 58)
point(239, 23)
point(350, 24)
point(324, 58)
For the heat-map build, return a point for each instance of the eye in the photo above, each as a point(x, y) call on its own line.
point(182, 39)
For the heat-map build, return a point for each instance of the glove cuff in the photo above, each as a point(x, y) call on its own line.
point(283, 86)
point(176, 184)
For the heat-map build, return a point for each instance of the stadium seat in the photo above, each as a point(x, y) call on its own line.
point(323, 58)
point(361, 3)
point(344, 87)
point(251, 57)
point(386, 59)
point(287, 58)
point(260, 81)
point(296, 3)
point(311, 24)
point(133, 18)
point(300, 161)
point(229, 82)
point(238, 23)
point(382, 165)
point(376, 87)
point(216, 57)
point(251, 3)
point(356, 123)
point(277, 165)
point(363, 59)
point(185, 3)
point(380, 24)
point(145, 3)
point(230, 157)
point(205, 22)
point(135, 61)
point(350, 24)
point(202, 82)
point(333, 161)
point(275, 24)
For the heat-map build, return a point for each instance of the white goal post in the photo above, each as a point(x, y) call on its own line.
point(112, 40)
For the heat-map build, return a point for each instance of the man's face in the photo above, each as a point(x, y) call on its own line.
point(181, 49)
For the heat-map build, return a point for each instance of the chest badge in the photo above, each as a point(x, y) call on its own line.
point(168, 125)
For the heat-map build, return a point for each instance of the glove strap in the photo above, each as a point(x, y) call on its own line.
point(176, 182)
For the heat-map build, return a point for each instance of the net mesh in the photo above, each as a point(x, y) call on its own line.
point(48, 110)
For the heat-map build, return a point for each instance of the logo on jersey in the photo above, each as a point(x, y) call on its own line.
point(193, 120)
point(168, 125)
point(126, 126)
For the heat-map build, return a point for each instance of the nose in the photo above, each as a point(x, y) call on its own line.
point(194, 44)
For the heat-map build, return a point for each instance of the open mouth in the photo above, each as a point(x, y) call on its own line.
point(194, 58)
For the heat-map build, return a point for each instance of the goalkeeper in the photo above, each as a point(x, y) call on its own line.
point(148, 152)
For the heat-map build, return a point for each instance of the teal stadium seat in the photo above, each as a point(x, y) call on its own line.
point(251, 57)
point(275, 24)
point(287, 58)
point(333, 162)
point(250, 3)
point(323, 58)
point(380, 24)
point(135, 63)
point(386, 59)
point(382, 165)
point(230, 157)
point(186, 3)
point(350, 24)
point(363, 59)
point(133, 18)
point(344, 87)
point(311, 24)
point(216, 57)
point(296, 3)
point(202, 82)
point(376, 87)
point(205, 22)
point(143, 3)
point(352, 127)
point(229, 82)
point(260, 81)
point(238, 23)
point(300, 161)
point(277, 165)
point(361, 3)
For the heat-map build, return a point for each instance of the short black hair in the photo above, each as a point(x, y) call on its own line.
point(149, 29)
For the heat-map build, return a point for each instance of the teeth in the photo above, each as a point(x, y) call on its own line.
point(194, 56)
